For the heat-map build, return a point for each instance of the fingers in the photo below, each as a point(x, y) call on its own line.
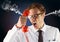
point(22, 21)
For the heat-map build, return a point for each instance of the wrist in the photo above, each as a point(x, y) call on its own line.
point(18, 26)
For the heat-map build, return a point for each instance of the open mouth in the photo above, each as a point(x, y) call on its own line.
point(34, 23)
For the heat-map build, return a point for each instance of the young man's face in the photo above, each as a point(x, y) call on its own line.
point(36, 17)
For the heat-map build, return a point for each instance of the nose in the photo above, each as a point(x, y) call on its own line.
point(34, 19)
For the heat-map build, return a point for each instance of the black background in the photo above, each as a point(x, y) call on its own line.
point(8, 18)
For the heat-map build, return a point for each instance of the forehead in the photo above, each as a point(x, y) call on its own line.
point(34, 11)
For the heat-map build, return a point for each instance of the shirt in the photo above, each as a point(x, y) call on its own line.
point(50, 34)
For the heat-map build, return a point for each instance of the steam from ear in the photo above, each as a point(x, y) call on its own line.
point(7, 6)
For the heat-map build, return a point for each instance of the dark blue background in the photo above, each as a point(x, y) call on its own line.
point(8, 18)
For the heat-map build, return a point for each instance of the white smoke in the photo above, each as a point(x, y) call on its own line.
point(56, 12)
point(7, 6)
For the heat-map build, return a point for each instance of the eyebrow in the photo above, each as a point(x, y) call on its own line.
point(37, 14)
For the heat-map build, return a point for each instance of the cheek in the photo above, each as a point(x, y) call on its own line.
point(40, 19)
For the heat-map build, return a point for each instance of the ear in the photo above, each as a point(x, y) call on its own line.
point(43, 15)
point(25, 12)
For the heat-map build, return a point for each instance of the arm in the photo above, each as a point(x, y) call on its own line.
point(57, 36)
point(10, 34)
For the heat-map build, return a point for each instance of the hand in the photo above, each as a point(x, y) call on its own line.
point(21, 21)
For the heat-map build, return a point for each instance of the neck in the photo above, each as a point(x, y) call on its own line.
point(41, 26)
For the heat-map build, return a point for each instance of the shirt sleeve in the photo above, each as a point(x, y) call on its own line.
point(10, 34)
point(57, 36)
point(58, 40)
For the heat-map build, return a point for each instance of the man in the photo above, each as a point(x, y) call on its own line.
point(36, 16)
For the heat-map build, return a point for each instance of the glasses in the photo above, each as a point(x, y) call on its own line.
point(34, 16)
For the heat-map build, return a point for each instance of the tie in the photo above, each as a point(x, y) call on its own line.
point(40, 38)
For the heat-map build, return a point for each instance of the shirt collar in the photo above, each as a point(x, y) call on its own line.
point(35, 30)
point(44, 28)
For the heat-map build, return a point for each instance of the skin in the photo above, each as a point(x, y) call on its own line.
point(38, 20)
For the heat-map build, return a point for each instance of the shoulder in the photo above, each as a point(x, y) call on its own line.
point(52, 28)
point(52, 32)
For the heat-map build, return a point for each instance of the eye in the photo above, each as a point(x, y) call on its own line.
point(36, 15)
